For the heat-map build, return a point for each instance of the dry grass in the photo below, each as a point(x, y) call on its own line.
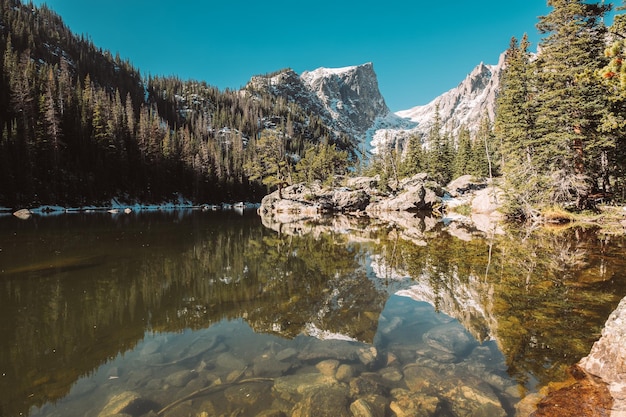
point(609, 219)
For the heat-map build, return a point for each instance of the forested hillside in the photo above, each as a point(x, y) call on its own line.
point(80, 126)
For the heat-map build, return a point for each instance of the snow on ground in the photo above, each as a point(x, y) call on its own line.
point(116, 207)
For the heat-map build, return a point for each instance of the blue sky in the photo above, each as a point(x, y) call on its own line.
point(419, 48)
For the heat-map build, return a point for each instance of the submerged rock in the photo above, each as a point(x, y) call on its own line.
point(328, 367)
point(117, 403)
point(180, 378)
point(269, 366)
point(291, 386)
point(329, 401)
point(470, 397)
point(363, 408)
point(229, 361)
point(450, 338)
point(411, 404)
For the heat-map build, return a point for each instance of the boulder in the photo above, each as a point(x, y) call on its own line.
point(412, 404)
point(330, 401)
point(180, 378)
point(416, 179)
point(345, 200)
point(415, 198)
point(363, 183)
point(23, 214)
point(463, 185)
point(607, 358)
point(127, 403)
point(372, 406)
point(487, 200)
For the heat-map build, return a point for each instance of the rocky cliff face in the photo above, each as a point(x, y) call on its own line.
point(346, 99)
point(350, 95)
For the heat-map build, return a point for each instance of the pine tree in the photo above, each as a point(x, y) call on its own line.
point(613, 77)
point(483, 154)
point(439, 155)
point(270, 163)
point(514, 128)
point(462, 159)
point(413, 162)
point(570, 101)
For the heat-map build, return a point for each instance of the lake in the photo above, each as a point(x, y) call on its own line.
point(216, 314)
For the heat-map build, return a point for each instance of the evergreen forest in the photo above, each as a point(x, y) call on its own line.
point(81, 126)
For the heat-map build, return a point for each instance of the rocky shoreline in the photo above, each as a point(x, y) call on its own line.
point(464, 199)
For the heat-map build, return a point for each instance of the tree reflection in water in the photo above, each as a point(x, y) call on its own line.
point(77, 291)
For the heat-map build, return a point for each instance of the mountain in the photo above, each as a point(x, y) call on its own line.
point(464, 105)
point(349, 101)
point(349, 94)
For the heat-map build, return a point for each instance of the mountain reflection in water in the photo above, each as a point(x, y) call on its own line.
point(159, 306)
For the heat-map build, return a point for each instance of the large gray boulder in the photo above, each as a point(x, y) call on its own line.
point(487, 200)
point(607, 358)
point(415, 198)
point(346, 200)
point(464, 184)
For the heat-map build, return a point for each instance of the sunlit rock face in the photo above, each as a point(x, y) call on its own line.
point(607, 358)
point(465, 105)
point(347, 98)
point(349, 94)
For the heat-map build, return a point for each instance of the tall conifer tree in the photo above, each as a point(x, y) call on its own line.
point(514, 128)
point(613, 76)
point(569, 100)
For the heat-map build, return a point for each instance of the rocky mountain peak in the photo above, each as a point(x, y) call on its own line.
point(347, 99)
point(349, 94)
point(464, 105)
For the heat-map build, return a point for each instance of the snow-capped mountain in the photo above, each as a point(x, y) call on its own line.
point(349, 94)
point(348, 99)
point(465, 105)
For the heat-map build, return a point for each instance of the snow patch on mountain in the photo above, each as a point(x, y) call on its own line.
point(389, 129)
